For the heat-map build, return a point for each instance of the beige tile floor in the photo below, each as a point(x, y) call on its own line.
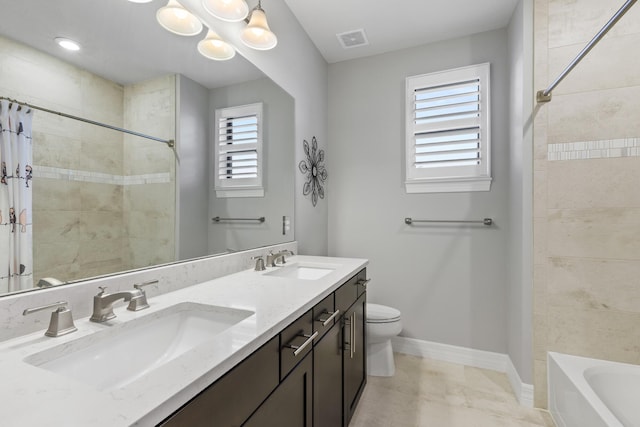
point(430, 393)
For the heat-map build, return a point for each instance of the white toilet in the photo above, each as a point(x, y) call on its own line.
point(383, 323)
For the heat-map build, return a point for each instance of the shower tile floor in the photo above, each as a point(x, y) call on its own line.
point(431, 393)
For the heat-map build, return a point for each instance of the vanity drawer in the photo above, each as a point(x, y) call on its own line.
point(324, 316)
point(296, 340)
point(233, 398)
point(348, 293)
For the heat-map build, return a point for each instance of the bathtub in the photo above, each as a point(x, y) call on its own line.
point(593, 393)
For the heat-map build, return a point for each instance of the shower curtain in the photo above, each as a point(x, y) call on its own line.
point(16, 155)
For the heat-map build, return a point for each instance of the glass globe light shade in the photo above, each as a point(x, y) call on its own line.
point(178, 20)
point(227, 10)
point(213, 47)
point(257, 34)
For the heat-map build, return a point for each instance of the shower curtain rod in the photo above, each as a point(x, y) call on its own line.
point(545, 95)
point(169, 142)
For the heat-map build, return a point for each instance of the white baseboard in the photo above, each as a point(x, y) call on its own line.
point(469, 357)
point(523, 391)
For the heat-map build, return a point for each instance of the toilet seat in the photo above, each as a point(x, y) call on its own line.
point(377, 313)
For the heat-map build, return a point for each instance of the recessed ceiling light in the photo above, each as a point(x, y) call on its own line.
point(67, 43)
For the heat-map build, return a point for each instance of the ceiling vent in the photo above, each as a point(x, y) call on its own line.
point(353, 38)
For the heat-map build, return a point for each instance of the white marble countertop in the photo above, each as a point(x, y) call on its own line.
point(32, 396)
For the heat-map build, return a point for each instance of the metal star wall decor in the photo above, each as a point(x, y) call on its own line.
point(315, 171)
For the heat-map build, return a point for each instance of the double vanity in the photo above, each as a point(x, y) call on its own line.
point(283, 346)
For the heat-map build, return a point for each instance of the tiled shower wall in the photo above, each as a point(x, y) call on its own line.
point(80, 177)
point(149, 210)
point(586, 197)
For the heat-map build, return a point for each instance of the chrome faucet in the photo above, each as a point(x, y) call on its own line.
point(103, 303)
point(61, 322)
point(48, 282)
point(259, 263)
point(140, 303)
point(272, 258)
point(285, 252)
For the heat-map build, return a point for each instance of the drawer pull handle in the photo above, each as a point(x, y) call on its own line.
point(351, 323)
point(363, 282)
point(298, 348)
point(328, 320)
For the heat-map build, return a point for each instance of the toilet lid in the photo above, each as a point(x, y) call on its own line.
point(377, 313)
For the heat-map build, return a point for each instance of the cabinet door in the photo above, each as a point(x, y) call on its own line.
point(354, 357)
point(290, 405)
point(230, 400)
point(327, 380)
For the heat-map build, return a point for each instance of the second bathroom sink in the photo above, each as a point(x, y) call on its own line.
point(304, 271)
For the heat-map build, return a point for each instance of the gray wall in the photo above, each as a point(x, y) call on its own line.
point(448, 281)
point(296, 66)
point(520, 190)
point(193, 169)
point(279, 170)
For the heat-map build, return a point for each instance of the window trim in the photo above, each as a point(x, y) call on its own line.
point(456, 178)
point(249, 187)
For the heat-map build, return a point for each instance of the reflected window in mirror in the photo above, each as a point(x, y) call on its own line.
point(238, 151)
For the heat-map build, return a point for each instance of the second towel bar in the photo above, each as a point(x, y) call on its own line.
point(485, 221)
point(218, 219)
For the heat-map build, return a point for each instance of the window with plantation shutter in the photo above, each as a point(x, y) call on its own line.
point(238, 151)
point(448, 135)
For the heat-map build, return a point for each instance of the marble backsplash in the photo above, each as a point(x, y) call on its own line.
point(79, 295)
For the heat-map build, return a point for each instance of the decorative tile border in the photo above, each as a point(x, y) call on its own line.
point(101, 178)
point(627, 147)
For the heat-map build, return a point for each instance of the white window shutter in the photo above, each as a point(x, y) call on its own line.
point(448, 135)
point(238, 151)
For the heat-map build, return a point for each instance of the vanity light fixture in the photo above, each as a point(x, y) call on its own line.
point(67, 44)
point(213, 47)
point(175, 18)
point(257, 35)
point(227, 10)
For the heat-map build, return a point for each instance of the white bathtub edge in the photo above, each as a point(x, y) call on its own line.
point(572, 368)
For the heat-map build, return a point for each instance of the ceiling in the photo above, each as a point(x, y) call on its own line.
point(123, 42)
point(393, 25)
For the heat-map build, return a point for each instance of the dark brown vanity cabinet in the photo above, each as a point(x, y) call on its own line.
point(309, 375)
point(327, 379)
point(233, 398)
point(354, 357)
point(339, 358)
point(290, 405)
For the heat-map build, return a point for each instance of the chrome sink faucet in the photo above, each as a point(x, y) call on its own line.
point(285, 252)
point(103, 303)
point(61, 322)
point(272, 258)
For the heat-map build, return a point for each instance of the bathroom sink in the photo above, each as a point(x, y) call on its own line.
point(306, 271)
point(115, 357)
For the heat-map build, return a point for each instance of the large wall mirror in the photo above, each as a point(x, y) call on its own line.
point(104, 202)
